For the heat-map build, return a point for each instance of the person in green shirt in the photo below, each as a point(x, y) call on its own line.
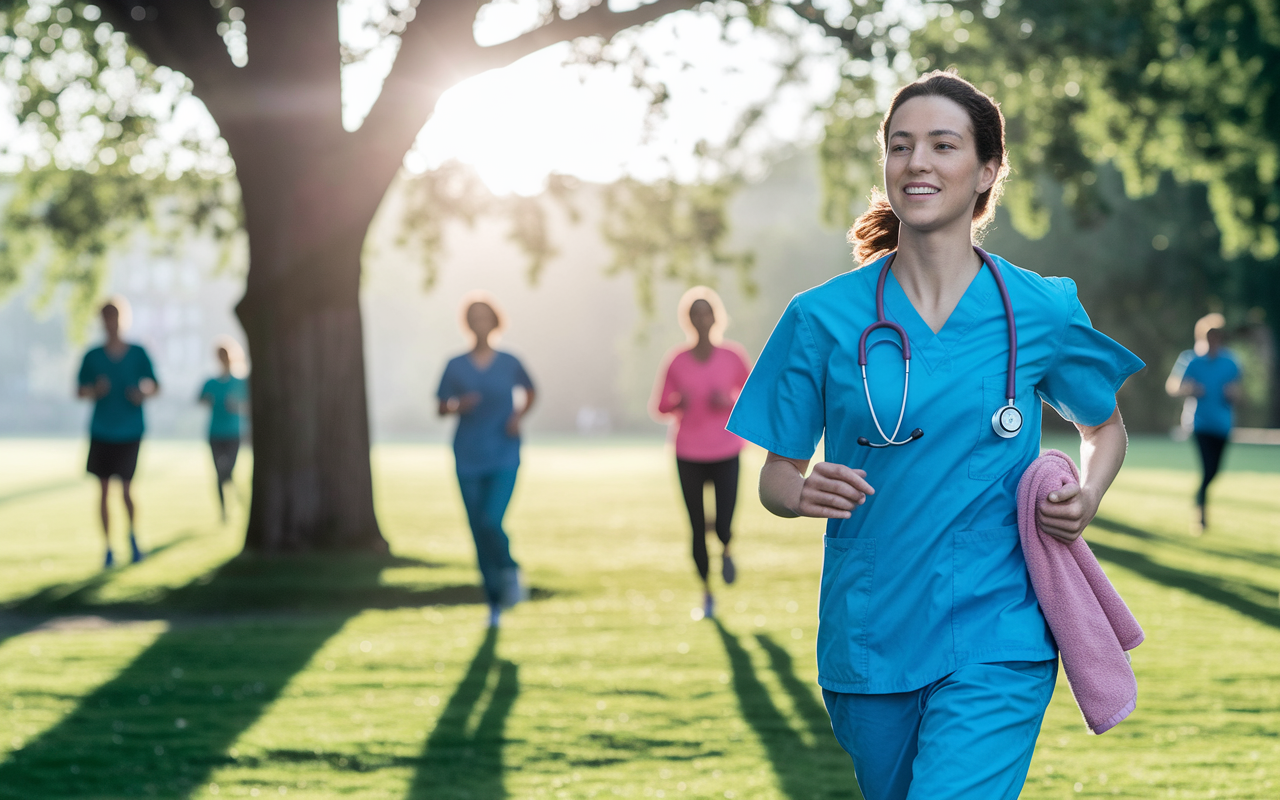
point(118, 378)
point(227, 395)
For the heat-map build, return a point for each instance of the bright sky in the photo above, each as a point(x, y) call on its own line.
point(517, 125)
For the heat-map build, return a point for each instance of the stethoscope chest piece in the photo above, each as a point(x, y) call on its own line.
point(1007, 421)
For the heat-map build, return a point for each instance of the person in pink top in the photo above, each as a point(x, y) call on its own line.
point(696, 391)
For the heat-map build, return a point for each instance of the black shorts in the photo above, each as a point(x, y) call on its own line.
point(224, 457)
point(113, 458)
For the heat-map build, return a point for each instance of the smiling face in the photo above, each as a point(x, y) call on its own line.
point(931, 169)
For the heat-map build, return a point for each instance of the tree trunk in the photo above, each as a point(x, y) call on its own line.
point(312, 485)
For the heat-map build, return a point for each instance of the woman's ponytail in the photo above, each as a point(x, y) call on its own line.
point(875, 233)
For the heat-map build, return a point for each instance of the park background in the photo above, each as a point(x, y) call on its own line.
point(586, 212)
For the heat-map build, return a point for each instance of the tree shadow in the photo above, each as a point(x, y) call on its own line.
point(44, 488)
point(805, 771)
point(1198, 546)
point(236, 638)
point(461, 763)
point(1252, 600)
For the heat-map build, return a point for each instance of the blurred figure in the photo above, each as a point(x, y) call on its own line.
point(696, 391)
point(479, 386)
point(227, 395)
point(1208, 376)
point(118, 378)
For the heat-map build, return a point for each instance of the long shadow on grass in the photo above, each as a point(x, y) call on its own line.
point(1198, 546)
point(236, 637)
point(461, 763)
point(1233, 594)
point(805, 771)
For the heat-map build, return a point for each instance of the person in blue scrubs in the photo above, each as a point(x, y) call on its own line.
point(118, 378)
point(1209, 377)
point(934, 658)
point(479, 386)
point(227, 395)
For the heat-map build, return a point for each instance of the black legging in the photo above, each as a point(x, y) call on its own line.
point(1211, 447)
point(693, 476)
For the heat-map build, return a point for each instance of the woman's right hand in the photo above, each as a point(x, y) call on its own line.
point(832, 491)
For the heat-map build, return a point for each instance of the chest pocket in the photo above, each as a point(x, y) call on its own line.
point(993, 456)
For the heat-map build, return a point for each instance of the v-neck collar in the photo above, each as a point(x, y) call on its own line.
point(934, 349)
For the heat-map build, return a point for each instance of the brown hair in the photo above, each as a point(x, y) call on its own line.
point(875, 233)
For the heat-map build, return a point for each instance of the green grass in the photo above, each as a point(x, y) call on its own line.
point(196, 674)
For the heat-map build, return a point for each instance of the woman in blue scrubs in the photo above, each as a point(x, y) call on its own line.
point(934, 658)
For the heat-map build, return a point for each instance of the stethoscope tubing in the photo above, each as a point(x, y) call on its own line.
point(1010, 386)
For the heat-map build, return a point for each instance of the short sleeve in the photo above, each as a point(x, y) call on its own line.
point(521, 377)
point(1087, 368)
point(206, 390)
point(145, 370)
point(781, 407)
point(449, 383)
point(87, 373)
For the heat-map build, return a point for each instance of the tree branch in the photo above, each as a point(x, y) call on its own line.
point(180, 34)
point(855, 45)
point(595, 21)
point(438, 50)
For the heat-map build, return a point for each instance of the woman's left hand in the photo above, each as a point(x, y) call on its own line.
point(1066, 512)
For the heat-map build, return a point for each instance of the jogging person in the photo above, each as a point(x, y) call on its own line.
point(1209, 377)
point(696, 392)
point(478, 386)
point(934, 657)
point(227, 395)
point(118, 378)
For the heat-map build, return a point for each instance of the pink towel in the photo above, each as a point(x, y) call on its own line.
point(1091, 623)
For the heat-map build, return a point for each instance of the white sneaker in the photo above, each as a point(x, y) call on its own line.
point(495, 616)
point(513, 589)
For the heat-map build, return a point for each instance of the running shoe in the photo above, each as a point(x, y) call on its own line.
point(708, 606)
point(111, 560)
point(729, 570)
point(513, 589)
point(133, 545)
point(495, 616)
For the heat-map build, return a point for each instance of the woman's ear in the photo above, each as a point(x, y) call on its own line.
point(988, 174)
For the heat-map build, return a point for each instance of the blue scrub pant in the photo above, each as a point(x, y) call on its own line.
point(967, 736)
point(486, 497)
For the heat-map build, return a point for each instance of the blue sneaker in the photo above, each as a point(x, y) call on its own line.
point(133, 545)
point(708, 606)
point(110, 561)
point(730, 571)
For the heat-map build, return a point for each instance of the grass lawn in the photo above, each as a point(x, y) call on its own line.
point(196, 675)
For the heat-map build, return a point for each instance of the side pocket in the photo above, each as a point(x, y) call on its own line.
point(992, 603)
point(993, 456)
point(848, 568)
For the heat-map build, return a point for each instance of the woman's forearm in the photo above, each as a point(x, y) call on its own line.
point(1102, 450)
point(781, 482)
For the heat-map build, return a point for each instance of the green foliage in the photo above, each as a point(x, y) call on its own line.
point(101, 153)
point(671, 231)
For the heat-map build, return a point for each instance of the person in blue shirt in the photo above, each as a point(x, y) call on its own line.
point(118, 378)
point(934, 658)
point(1209, 377)
point(227, 395)
point(479, 387)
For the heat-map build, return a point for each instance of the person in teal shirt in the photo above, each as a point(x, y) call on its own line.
point(227, 395)
point(934, 658)
point(479, 386)
point(118, 378)
point(1209, 377)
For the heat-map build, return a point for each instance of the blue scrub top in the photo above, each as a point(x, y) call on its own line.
point(228, 396)
point(928, 575)
point(1213, 409)
point(116, 418)
point(481, 444)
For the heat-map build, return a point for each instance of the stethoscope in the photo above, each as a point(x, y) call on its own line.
point(1006, 421)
